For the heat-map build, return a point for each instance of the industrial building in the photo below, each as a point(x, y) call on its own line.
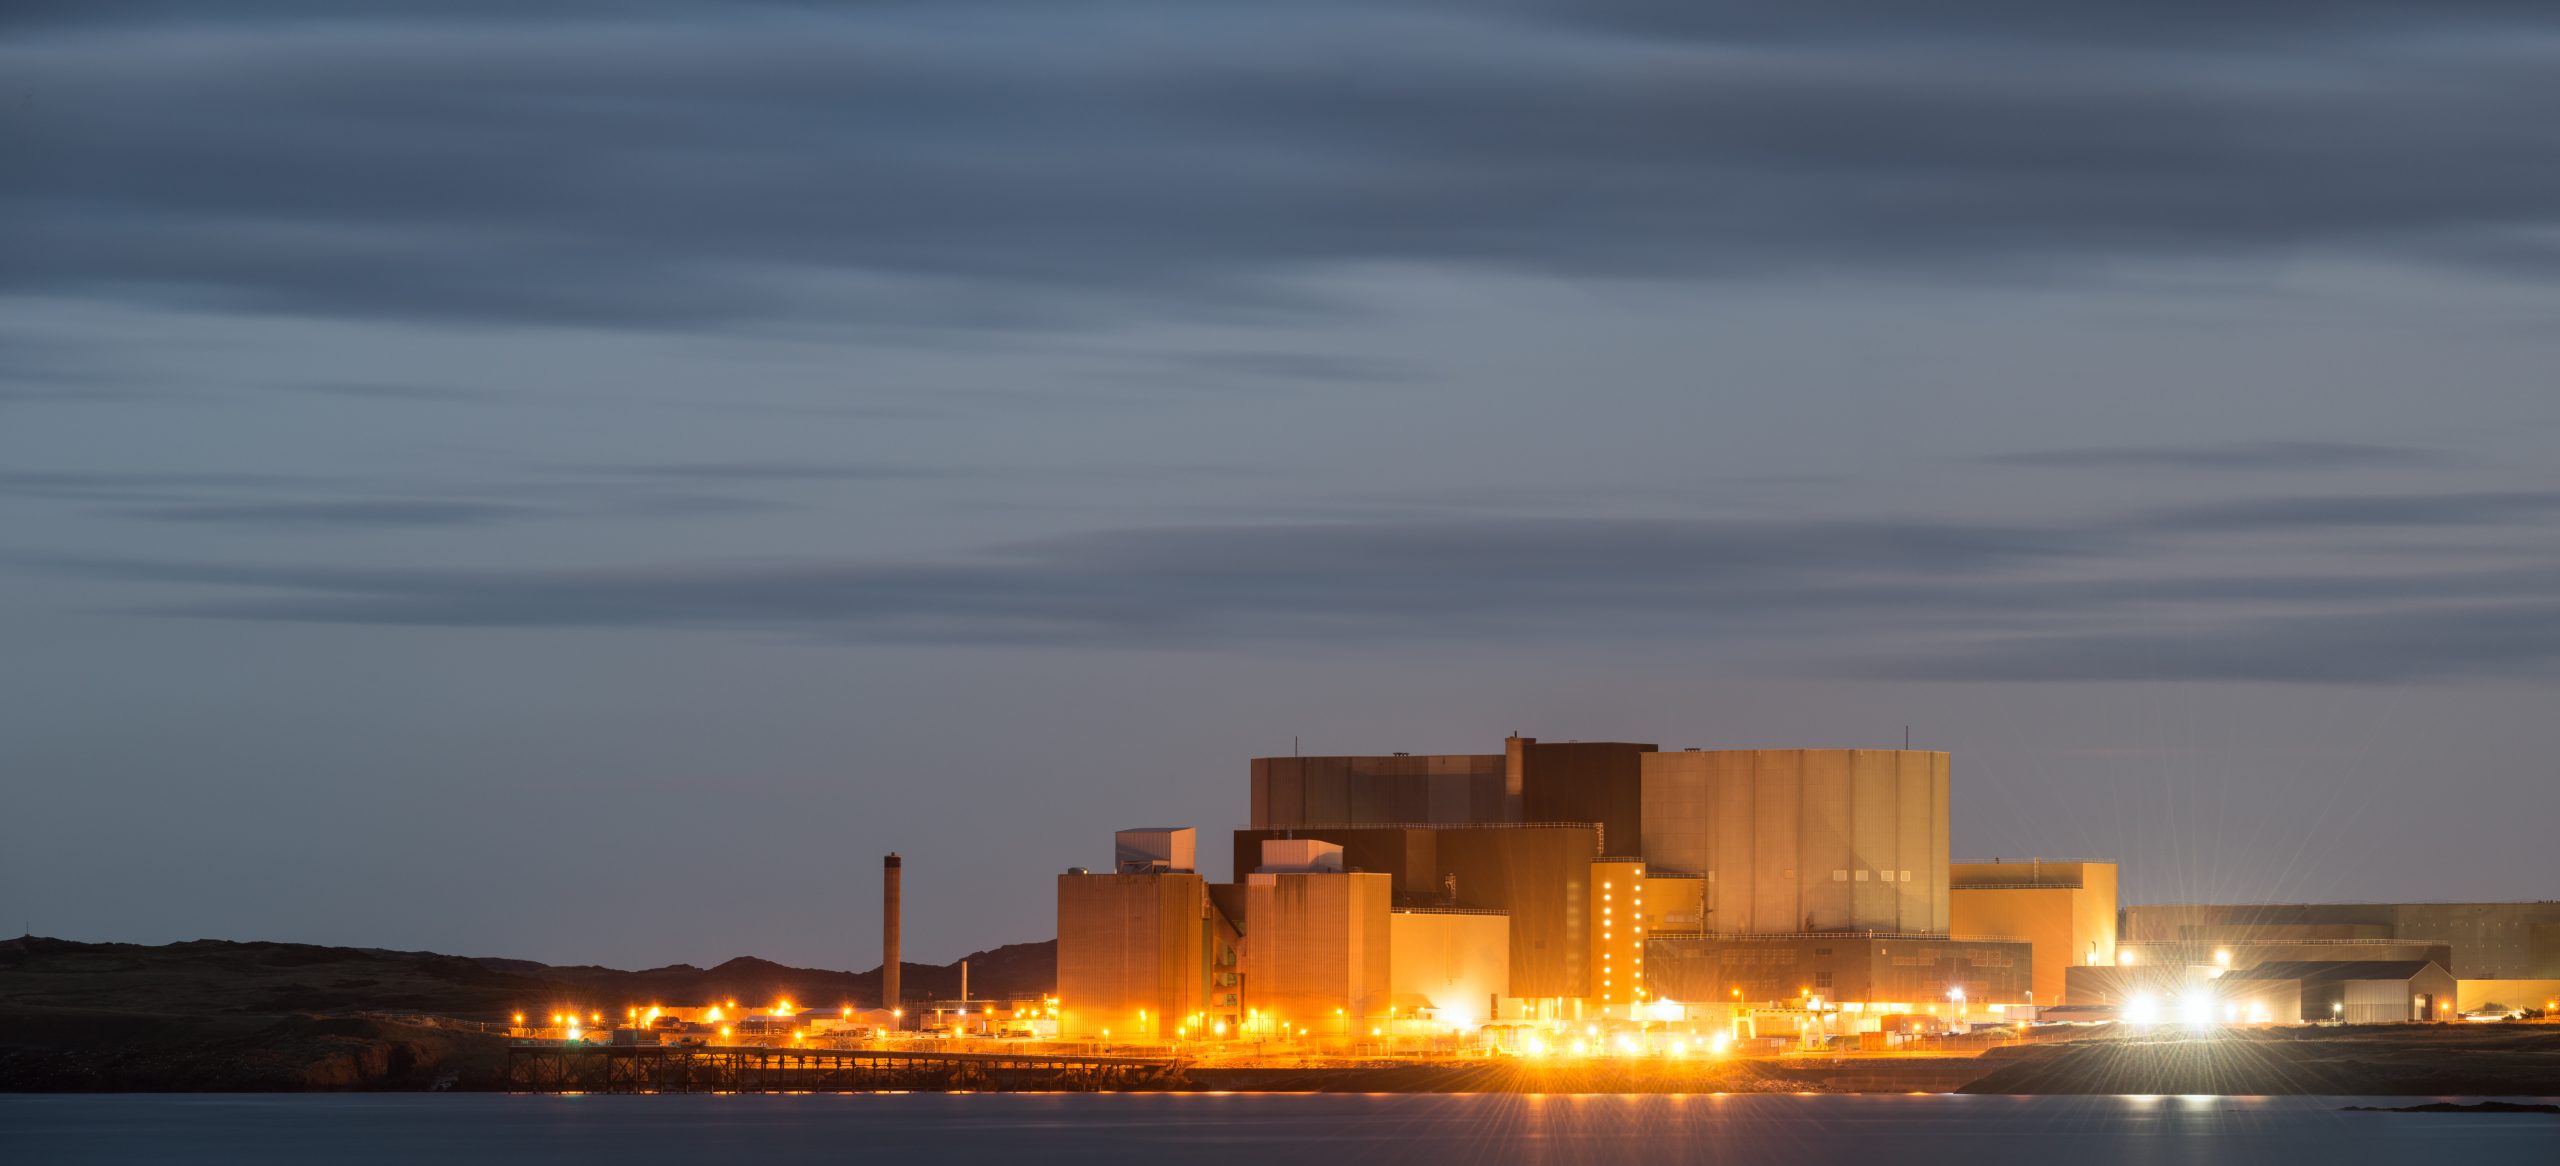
point(1537, 875)
point(1551, 882)
point(2486, 941)
point(1576, 882)
point(1144, 950)
point(1319, 953)
point(1915, 973)
point(2065, 911)
point(1801, 840)
point(2350, 991)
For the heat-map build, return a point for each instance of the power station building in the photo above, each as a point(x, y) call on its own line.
point(1551, 881)
point(1802, 840)
point(1143, 948)
point(2486, 941)
point(2066, 911)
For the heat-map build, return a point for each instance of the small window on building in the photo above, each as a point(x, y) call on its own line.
point(1822, 979)
point(1839, 876)
point(1862, 874)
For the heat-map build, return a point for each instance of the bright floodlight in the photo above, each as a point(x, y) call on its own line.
point(2196, 1009)
point(2142, 1009)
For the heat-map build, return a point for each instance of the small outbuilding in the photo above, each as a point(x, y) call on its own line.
point(2354, 991)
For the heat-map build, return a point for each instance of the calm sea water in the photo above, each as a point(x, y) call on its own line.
point(1241, 1129)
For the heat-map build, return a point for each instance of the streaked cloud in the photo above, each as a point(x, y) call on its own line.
point(1950, 600)
point(1002, 164)
point(2234, 456)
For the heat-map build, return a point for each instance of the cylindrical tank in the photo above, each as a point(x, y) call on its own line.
point(1794, 840)
point(889, 890)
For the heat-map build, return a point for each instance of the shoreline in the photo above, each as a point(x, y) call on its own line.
point(65, 1051)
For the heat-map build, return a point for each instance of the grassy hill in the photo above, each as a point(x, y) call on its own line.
point(219, 1014)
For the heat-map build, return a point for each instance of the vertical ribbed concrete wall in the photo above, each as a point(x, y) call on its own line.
point(1438, 788)
point(1316, 949)
point(1804, 839)
point(1130, 952)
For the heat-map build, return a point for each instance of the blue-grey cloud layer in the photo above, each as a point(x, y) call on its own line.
point(976, 163)
point(1927, 598)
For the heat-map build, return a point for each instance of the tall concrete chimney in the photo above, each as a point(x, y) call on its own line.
point(889, 875)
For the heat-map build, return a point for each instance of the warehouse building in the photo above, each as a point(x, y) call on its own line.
point(2515, 941)
point(2356, 992)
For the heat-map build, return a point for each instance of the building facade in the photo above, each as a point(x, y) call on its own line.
point(1139, 955)
point(2516, 941)
point(1803, 840)
point(2066, 911)
point(1317, 951)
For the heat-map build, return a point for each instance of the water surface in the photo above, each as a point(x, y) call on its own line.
point(1245, 1129)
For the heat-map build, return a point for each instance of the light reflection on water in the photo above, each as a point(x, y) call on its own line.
point(1243, 1129)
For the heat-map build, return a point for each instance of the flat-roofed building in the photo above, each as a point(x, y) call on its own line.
point(1537, 875)
point(1140, 954)
point(1155, 848)
point(1600, 782)
point(2357, 991)
point(2066, 911)
point(2488, 940)
point(1913, 972)
point(1452, 964)
point(1803, 840)
point(2268, 947)
point(1317, 951)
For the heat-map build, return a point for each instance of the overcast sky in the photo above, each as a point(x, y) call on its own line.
point(581, 481)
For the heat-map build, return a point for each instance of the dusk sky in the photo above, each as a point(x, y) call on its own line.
point(581, 481)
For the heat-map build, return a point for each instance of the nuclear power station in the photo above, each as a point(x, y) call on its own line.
point(1553, 882)
point(1580, 883)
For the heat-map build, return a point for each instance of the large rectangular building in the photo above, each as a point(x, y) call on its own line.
point(1600, 782)
point(1140, 954)
point(2355, 991)
point(1796, 840)
point(1317, 951)
point(2066, 911)
point(2490, 941)
point(1451, 965)
point(1538, 876)
point(1917, 972)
